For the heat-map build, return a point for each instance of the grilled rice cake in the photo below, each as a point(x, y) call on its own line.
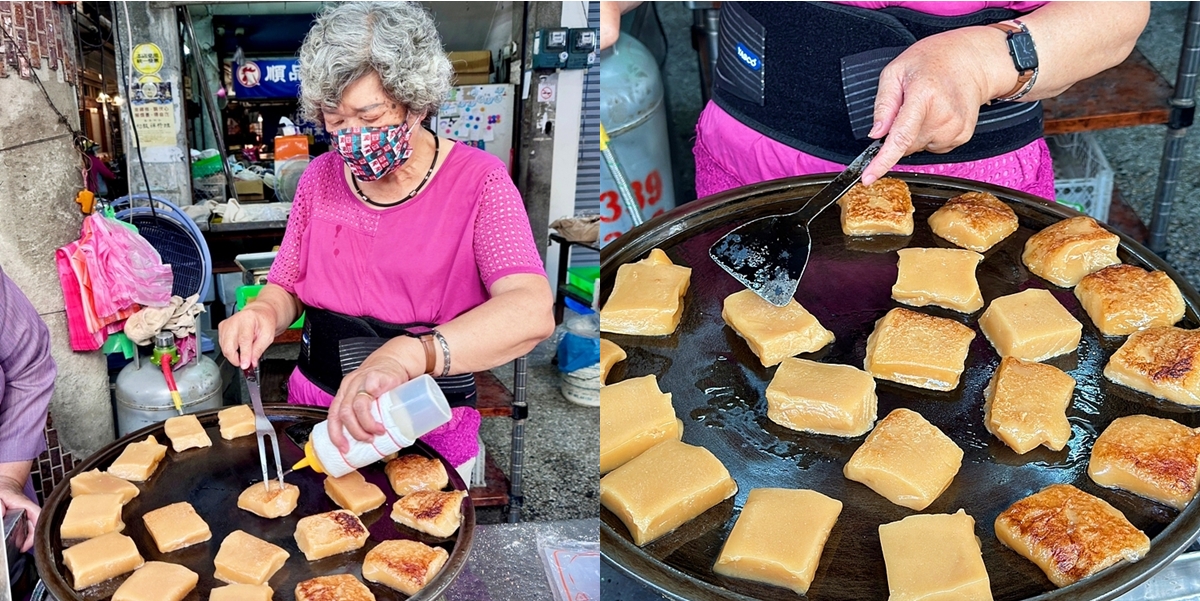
point(330, 533)
point(918, 349)
point(157, 581)
point(634, 416)
point(647, 297)
point(934, 557)
point(242, 592)
point(353, 493)
point(975, 221)
point(89, 516)
point(1030, 325)
point(403, 565)
point(97, 482)
point(176, 526)
point(236, 422)
point(410, 473)
point(1123, 299)
point(906, 459)
point(96, 560)
point(1162, 362)
point(885, 207)
point(434, 512)
point(247, 559)
point(824, 398)
point(139, 460)
point(659, 490)
point(774, 333)
point(778, 538)
point(340, 587)
point(1150, 457)
point(944, 277)
point(1068, 250)
point(185, 432)
point(270, 501)
point(610, 355)
point(1026, 405)
point(1069, 534)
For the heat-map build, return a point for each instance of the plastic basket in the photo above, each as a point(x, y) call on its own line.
point(1083, 179)
point(584, 278)
point(246, 294)
point(206, 167)
point(211, 187)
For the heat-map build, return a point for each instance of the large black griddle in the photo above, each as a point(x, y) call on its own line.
point(718, 385)
point(211, 480)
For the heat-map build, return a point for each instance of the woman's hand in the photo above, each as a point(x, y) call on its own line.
point(929, 96)
point(388, 367)
point(610, 20)
point(245, 336)
point(12, 496)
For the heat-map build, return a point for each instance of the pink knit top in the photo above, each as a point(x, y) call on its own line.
point(949, 9)
point(427, 260)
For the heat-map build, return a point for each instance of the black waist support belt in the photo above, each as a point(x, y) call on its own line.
point(333, 345)
point(805, 74)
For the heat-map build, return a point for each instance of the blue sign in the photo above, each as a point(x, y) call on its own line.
point(273, 78)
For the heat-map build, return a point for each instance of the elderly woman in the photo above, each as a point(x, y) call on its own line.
point(412, 254)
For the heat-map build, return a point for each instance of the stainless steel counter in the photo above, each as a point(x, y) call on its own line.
point(504, 564)
point(1179, 581)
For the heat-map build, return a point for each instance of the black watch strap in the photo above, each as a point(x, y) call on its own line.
point(1024, 56)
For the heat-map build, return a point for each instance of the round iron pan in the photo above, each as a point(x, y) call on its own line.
point(211, 480)
point(718, 385)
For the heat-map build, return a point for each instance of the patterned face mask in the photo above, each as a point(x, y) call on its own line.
point(374, 152)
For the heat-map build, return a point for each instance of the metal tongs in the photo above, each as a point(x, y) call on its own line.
point(263, 428)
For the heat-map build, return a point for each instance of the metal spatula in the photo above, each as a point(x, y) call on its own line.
point(768, 255)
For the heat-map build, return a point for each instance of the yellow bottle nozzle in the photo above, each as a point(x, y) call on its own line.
point(310, 460)
point(178, 401)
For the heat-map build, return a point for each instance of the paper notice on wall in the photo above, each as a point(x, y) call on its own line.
point(153, 110)
point(479, 116)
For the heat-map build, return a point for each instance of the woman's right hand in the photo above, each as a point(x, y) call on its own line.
point(610, 20)
point(246, 335)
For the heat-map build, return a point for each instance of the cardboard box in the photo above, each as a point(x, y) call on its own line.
point(470, 79)
point(248, 190)
point(472, 67)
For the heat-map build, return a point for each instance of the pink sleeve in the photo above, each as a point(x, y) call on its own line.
point(504, 243)
point(285, 270)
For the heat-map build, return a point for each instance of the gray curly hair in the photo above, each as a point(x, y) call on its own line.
point(397, 40)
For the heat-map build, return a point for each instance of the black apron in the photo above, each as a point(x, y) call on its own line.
point(805, 74)
point(333, 345)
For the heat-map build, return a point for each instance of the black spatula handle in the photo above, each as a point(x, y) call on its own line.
point(840, 184)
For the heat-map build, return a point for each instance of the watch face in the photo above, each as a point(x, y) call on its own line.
point(1023, 52)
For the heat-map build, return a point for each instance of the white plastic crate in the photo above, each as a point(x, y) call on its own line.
point(1083, 179)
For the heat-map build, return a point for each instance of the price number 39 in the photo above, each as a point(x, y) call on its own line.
point(648, 193)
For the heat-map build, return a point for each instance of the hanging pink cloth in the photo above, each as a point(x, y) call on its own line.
point(106, 276)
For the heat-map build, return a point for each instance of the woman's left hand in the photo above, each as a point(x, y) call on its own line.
point(382, 371)
point(12, 496)
point(929, 96)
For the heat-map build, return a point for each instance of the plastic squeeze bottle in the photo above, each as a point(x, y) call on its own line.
point(407, 412)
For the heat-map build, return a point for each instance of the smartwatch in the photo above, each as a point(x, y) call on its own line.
point(1024, 57)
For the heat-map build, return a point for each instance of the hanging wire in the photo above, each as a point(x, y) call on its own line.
point(77, 137)
point(137, 141)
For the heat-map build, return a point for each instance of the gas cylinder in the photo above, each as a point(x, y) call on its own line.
point(633, 113)
point(142, 395)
